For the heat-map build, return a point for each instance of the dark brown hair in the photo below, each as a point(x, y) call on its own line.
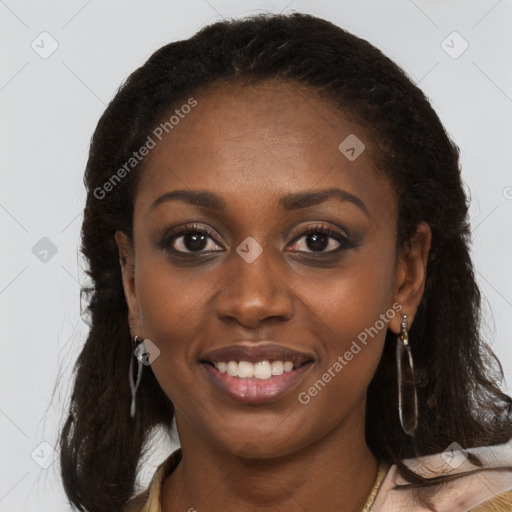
point(458, 375)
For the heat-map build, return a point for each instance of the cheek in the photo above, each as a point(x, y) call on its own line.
point(352, 314)
point(172, 310)
point(355, 296)
point(171, 304)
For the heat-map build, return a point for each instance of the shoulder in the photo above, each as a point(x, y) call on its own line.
point(137, 503)
point(474, 480)
point(500, 503)
point(149, 500)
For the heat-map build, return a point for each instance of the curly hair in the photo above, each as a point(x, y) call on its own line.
point(458, 375)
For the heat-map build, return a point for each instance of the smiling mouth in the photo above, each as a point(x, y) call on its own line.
point(247, 388)
point(255, 372)
point(262, 370)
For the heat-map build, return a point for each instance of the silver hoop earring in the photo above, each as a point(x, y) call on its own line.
point(407, 396)
point(137, 348)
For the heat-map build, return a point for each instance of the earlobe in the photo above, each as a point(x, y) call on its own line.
point(411, 274)
point(127, 263)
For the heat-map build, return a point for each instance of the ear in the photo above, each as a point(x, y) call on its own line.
point(127, 262)
point(411, 274)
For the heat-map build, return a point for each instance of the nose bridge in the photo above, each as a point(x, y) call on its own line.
point(253, 290)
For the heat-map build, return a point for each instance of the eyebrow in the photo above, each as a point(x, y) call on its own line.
point(294, 201)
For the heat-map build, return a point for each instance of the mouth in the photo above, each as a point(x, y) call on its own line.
point(255, 374)
point(263, 370)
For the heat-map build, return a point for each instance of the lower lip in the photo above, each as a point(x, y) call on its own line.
point(253, 390)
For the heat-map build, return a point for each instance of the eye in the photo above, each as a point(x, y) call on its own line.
point(190, 239)
point(322, 240)
point(198, 239)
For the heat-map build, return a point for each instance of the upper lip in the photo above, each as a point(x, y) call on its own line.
point(254, 353)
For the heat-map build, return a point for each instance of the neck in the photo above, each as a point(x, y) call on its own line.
point(335, 473)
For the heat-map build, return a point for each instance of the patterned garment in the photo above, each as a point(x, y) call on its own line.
point(487, 489)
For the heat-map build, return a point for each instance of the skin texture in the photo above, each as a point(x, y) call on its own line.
point(252, 145)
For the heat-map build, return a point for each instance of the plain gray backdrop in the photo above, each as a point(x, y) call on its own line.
point(63, 61)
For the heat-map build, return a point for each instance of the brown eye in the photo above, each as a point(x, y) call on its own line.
point(191, 239)
point(322, 240)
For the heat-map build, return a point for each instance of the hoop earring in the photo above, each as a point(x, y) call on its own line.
point(137, 348)
point(407, 396)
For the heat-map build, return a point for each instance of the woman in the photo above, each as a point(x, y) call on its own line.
point(278, 244)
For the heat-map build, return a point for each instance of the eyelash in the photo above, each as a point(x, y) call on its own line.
point(344, 242)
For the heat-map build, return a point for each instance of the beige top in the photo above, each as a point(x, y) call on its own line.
point(476, 490)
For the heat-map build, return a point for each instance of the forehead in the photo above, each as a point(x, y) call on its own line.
point(255, 141)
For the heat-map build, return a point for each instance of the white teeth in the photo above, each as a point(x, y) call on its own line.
point(245, 369)
point(232, 368)
point(263, 370)
point(277, 367)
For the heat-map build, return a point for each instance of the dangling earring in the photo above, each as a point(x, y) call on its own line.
point(407, 397)
point(138, 348)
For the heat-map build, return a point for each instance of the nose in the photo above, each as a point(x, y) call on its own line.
point(254, 293)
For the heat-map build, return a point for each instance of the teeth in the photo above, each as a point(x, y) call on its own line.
point(232, 368)
point(277, 367)
point(245, 369)
point(263, 370)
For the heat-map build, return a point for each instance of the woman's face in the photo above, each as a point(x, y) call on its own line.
point(254, 165)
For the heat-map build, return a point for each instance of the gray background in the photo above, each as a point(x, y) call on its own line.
point(50, 107)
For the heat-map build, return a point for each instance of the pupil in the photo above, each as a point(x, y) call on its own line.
point(316, 244)
point(194, 241)
point(197, 242)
